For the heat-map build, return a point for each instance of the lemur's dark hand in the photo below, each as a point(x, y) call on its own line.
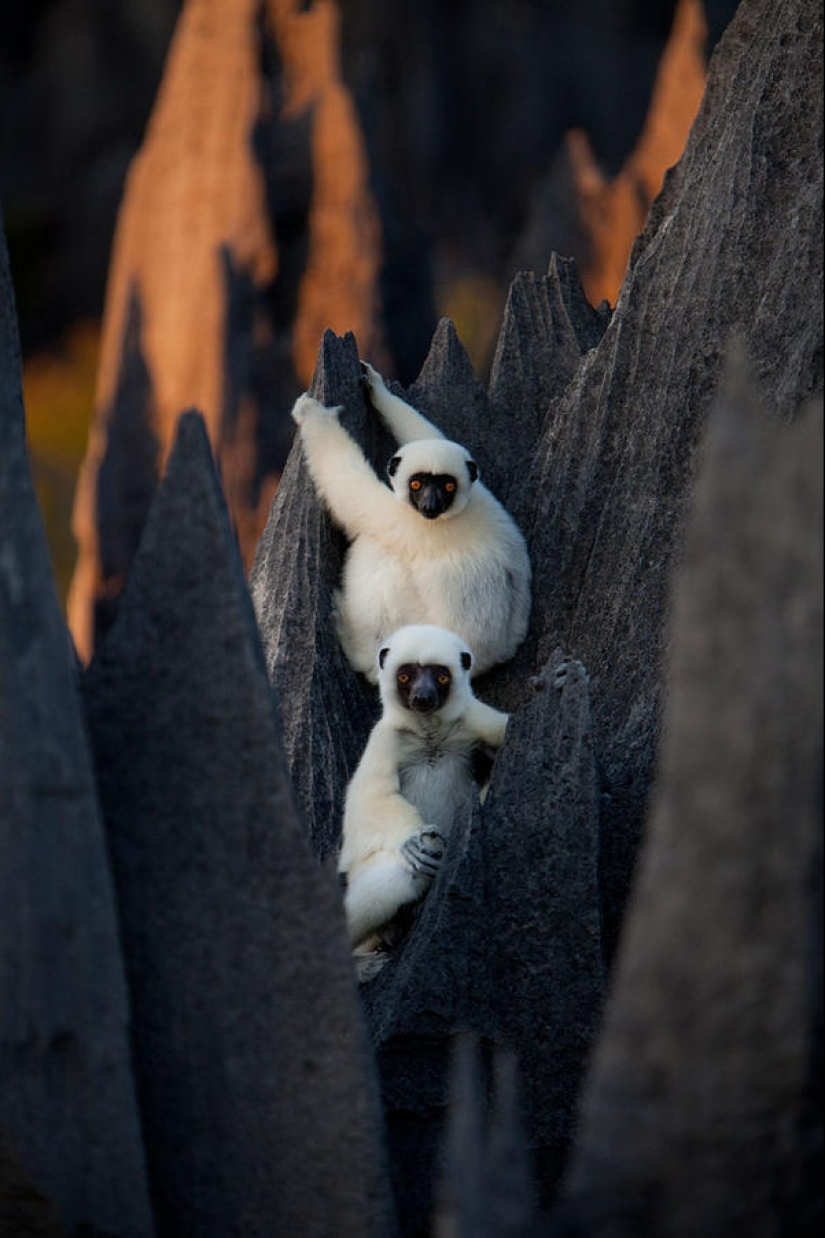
point(424, 852)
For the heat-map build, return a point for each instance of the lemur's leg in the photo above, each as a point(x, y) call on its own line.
point(388, 880)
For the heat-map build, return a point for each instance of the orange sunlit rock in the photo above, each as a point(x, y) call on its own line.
point(195, 206)
point(339, 288)
point(613, 213)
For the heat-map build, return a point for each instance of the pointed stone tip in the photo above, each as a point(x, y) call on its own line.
point(333, 345)
point(445, 328)
point(521, 280)
point(447, 352)
point(336, 365)
point(446, 336)
point(562, 267)
point(190, 443)
point(191, 422)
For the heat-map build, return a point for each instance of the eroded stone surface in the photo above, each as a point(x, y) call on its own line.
point(703, 1109)
point(733, 245)
point(507, 943)
point(67, 1099)
point(255, 1084)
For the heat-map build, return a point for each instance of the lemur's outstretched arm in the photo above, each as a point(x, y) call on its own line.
point(487, 724)
point(343, 477)
point(403, 421)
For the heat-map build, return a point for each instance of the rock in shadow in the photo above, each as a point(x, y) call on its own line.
point(255, 1081)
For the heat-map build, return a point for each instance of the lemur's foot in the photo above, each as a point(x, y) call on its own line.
point(424, 852)
point(306, 407)
point(369, 964)
point(570, 669)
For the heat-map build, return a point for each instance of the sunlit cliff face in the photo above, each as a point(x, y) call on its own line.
point(612, 213)
point(207, 305)
point(200, 242)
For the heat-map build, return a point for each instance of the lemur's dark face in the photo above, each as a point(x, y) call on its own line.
point(432, 494)
point(423, 689)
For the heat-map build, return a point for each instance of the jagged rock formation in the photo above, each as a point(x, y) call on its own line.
point(68, 1112)
point(254, 1081)
point(487, 1190)
point(298, 559)
point(246, 228)
point(519, 884)
point(326, 711)
point(604, 505)
point(467, 111)
point(612, 212)
point(703, 1111)
point(263, 208)
point(599, 475)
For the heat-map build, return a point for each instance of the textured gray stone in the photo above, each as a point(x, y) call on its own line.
point(67, 1099)
point(465, 111)
point(299, 557)
point(487, 1188)
point(326, 710)
point(592, 443)
point(255, 1082)
point(461, 1205)
point(545, 970)
point(448, 392)
point(733, 243)
point(703, 1110)
point(547, 327)
point(507, 943)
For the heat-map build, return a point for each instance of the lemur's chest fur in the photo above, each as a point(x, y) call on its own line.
point(435, 773)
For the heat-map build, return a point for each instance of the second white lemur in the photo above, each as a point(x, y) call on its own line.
point(436, 548)
point(415, 775)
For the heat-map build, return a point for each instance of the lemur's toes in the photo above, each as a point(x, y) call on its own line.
point(433, 842)
point(423, 852)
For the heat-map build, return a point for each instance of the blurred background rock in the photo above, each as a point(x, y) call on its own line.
point(493, 135)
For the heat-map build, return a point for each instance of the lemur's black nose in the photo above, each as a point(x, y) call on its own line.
point(424, 692)
point(431, 502)
point(423, 700)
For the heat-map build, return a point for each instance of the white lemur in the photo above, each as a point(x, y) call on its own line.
point(437, 548)
point(415, 774)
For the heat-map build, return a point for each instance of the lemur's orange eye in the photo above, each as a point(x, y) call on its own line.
point(403, 678)
point(450, 487)
point(415, 485)
point(443, 680)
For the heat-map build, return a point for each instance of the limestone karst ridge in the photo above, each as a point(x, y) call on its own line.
point(633, 917)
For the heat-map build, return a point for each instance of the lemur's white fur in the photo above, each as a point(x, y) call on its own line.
point(412, 779)
point(468, 570)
